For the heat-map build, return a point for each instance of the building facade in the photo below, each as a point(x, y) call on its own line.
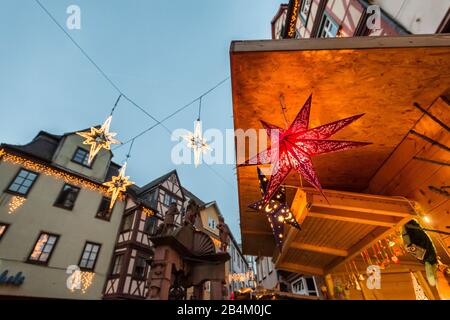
point(144, 213)
point(324, 18)
point(57, 233)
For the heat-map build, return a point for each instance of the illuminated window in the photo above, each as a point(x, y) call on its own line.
point(43, 248)
point(304, 11)
point(117, 266)
point(150, 225)
point(89, 256)
point(328, 28)
point(3, 228)
point(211, 223)
point(23, 182)
point(104, 212)
point(81, 156)
point(67, 197)
point(139, 267)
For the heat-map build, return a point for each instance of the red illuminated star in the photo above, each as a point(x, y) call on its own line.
point(292, 148)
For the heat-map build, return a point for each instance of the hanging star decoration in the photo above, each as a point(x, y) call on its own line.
point(99, 138)
point(277, 210)
point(292, 148)
point(117, 185)
point(197, 142)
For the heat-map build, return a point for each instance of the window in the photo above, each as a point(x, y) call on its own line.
point(150, 225)
point(43, 248)
point(89, 256)
point(104, 212)
point(81, 156)
point(127, 223)
point(153, 198)
point(23, 182)
point(3, 228)
point(328, 28)
point(211, 223)
point(139, 267)
point(305, 286)
point(270, 265)
point(117, 265)
point(168, 200)
point(304, 11)
point(67, 197)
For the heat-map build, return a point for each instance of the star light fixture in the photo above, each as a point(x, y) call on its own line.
point(197, 142)
point(277, 210)
point(117, 185)
point(99, 138)
point(292, 148)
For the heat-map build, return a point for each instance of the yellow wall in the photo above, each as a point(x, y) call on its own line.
point(74, 227)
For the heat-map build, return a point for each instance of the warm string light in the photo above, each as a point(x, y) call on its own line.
point(148, 212)
point(15, 203)
point(49, 171)
point(86, 280)
point(233, 277)
point(418, 290)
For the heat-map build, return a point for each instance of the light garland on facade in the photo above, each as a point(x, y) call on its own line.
point(49, 171)
point(86, 280)
point(148, 212)
point(15, 203)
point(242, 277)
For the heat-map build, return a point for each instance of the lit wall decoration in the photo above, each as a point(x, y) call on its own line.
point(241, 277)
point(15, 203)
point(291, 19)
point(148, 212)
point(118, 185)
point(197, 142)
point(86, 280)
point(99, 138)
point(293, 148)
point(53, 172)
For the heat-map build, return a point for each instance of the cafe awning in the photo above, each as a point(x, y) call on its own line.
point(379, 76)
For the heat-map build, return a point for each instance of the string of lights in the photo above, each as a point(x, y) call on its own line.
point(132, 101)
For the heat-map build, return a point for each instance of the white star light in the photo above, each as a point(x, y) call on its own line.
point(196, 142)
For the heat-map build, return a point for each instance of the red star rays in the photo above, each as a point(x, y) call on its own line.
point(293, 148)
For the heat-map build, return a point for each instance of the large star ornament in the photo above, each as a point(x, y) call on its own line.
point(117, 185)
point(99, 138)
point(197, 142)
point(277, 210)
point(292, 148)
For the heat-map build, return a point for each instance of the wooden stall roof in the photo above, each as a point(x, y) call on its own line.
point(336, 229)
point(379, 76)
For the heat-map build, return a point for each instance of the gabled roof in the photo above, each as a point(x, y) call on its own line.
point(157, 181)
point(44, 145)
point(190, 195)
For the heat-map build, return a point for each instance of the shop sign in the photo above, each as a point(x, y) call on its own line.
point(15, 280)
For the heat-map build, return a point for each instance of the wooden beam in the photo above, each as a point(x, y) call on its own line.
point(254, 232)
point(322, 212)
point(298, 268)
point(320, 249)
point(291, 234)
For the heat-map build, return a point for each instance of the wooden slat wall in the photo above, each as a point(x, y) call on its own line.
point(402, 175)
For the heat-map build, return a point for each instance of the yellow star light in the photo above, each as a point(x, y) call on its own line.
point(99, 138)
point(117, 185)
point(196, 142)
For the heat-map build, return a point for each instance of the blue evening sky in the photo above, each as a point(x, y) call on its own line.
point(163, 54)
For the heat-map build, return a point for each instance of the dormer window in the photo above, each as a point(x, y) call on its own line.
point(81, 156)
point(211, 223)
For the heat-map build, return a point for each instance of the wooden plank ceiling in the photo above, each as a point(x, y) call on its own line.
point(381, 77)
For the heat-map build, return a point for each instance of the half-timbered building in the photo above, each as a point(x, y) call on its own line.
point(144, 212)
